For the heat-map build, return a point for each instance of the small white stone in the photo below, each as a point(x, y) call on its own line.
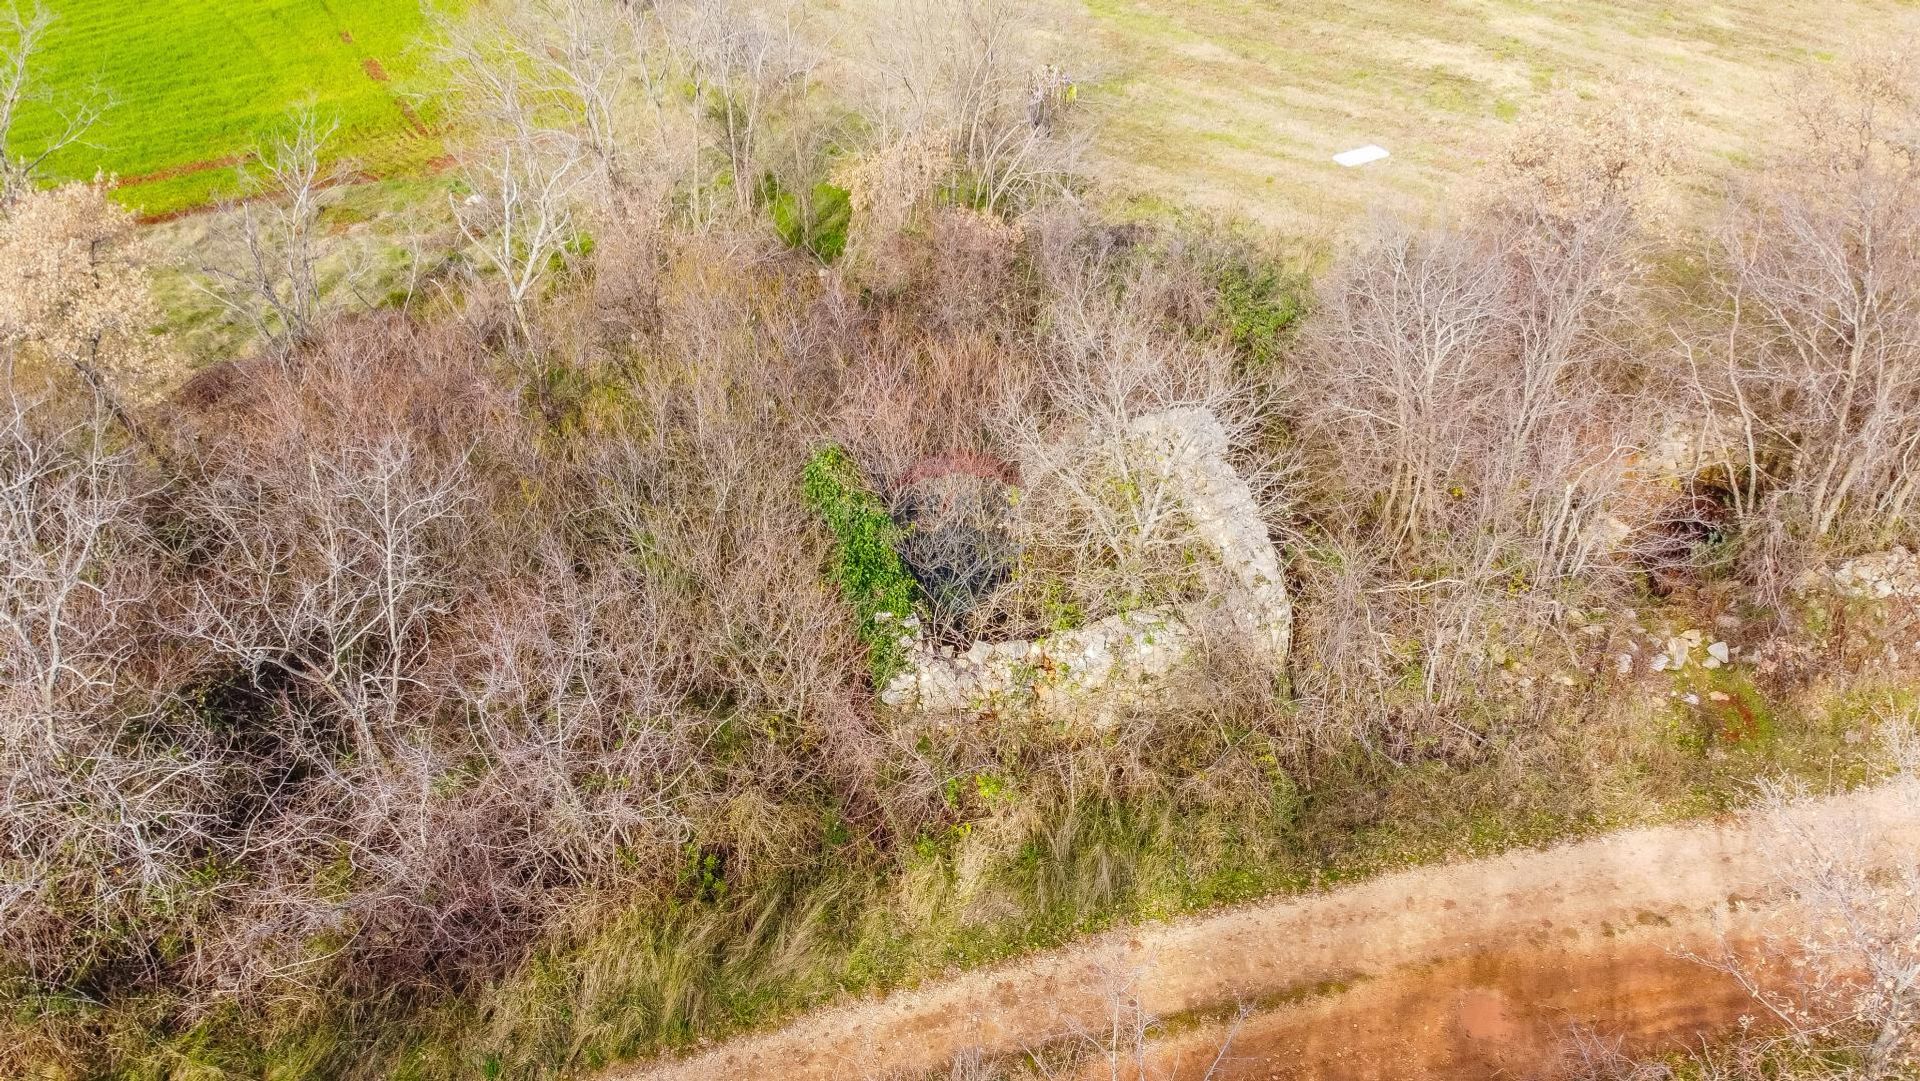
point(1677, 652)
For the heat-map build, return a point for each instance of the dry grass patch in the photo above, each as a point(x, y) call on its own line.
point(1237, 105)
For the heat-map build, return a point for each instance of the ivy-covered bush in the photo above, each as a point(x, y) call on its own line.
point(866, 556)
point(1258, 305)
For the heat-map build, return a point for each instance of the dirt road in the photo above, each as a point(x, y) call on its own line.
point(1469, 970)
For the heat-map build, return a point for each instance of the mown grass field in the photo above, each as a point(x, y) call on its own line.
point(1241, 104)
point(195, 84)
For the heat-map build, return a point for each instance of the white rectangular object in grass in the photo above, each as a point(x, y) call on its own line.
point(1364, 155)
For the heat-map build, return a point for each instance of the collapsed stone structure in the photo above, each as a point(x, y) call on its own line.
point(1646, 505)
point(1124, 655)
point(1893, 574)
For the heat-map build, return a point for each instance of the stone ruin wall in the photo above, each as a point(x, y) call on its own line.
point(1122, 657)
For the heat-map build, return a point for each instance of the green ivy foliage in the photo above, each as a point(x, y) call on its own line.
point(1259, 304)
point(817, 224)
point(866, 556)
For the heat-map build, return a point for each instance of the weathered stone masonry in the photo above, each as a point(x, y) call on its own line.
point(1123, 655)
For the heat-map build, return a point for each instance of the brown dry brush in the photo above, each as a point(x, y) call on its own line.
point(1807, 365)
point(417, 679)
point(1470, 408)
point(353, 538)
point(514, 656)
point(474, 660)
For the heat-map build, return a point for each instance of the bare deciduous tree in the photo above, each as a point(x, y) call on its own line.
point(74, 293)
point(22, 31)
point(520, 216)
point(108, 807)
point(582, 68)
point(749, 69)
point(266, 265)
point(339, 585)
point(1470, 394)
point(1463, 377)
point(1812, 373)
point(983, 81)
point(66, 504)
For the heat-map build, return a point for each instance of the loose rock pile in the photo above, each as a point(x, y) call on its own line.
point(1893, 574)
point(1120, 653)
point(1678, 652)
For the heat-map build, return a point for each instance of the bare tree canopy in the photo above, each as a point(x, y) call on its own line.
point(22, 35)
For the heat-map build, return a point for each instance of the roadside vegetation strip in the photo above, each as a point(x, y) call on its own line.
point(194, 84)
point(670, 974)
point(1679, 876)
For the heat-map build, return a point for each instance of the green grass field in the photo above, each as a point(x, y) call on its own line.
point(197, 83)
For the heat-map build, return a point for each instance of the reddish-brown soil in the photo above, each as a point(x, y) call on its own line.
point(374, 71)
point(1474, 970)
point(1497, 1014)
point(187, 169)
point(413, 119)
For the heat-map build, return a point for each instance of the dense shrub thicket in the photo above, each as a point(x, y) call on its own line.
point(338, 676)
